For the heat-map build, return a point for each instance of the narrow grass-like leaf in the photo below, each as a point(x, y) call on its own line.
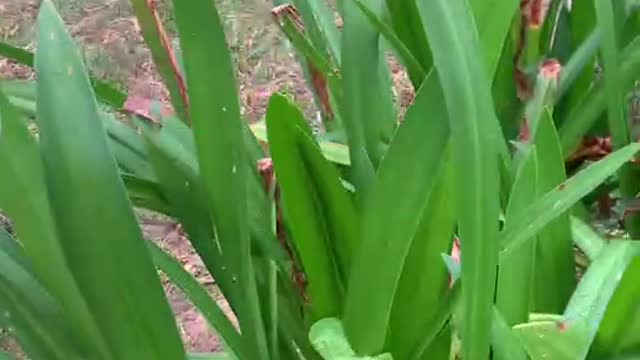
point(219, 138)
point(457, 57)
point(199, 297)
point(306, 210)
point(146, 194)
point(387, 237)
point(581, 118)
point(558, 200)
point(87, 197)
point(619, 124)
point(23, 197)
point(586, 238)
point(104, 91)
point(162, 53)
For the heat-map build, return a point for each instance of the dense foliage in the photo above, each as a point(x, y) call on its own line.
point(334, 245)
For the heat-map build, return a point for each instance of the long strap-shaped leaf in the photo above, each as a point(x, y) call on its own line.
point(404, 183)
point(558, 200)
point(104, 91)
point(458, 60)
point(98, 230)
point(368, 123)
point(320, 214)
point(162, 52)
point(23, 197)
point(219, 138)
point(200, 298)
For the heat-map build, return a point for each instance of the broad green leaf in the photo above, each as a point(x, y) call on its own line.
point(457, 57)
point(493, 19)
point(88, 198)
point(516, 272)
point(105, 92)
point(420, 298)
point(13, 249)
point(32, 314)
point(554, 275)
point(560, 199)
point(586, 238)
point(328, 337)
point(216, 121)
point(591, 298)
point(23, 197)
point(368, 123)
point(404, 183)
point(164, 57)
point(334, 152)
point(199, 297)
point(307, 208)
point(557, 340)
point(506, 344)
point(619, 331)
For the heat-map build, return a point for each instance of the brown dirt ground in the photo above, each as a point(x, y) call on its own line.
point(115, 51)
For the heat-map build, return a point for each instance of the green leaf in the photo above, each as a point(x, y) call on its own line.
point(104, 91)
point(409, 29)
point(581, 118)
point(309, 210)
point(162, 53)
point(552, 339)
point(219, 138)
point(334, 152)
point(415, 68)
point(199, 297)
point(516, 272)
point(586, 238)
point(419, 299)
point(369, 124)
point(591, 298)
point(87, 197)
point(493, 19)
point(405, 184)
point(619, 329)
point(146, 194)
point(31, 312)
point(23, 197)
point(560, 199)
point(328, 338)
point(456, 53)
point(505, 343)
point(555, 277)
point(614, 88)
